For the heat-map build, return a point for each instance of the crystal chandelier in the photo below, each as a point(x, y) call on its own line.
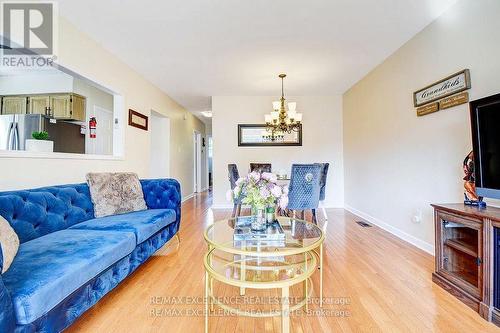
point(281, 120)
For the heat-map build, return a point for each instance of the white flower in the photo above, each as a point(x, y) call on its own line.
point(264, 192)
point(269, 176)
point(254, 175)
point(276, 191)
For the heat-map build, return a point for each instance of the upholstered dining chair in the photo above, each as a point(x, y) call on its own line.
point(304, 189)
point(234, 175)
point(322, 186)
point(260, 167)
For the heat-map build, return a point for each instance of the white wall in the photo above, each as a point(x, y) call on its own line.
point(322, 140)
point(94, 96)
point(84, 56)
point(396, 163)
point(38, 82)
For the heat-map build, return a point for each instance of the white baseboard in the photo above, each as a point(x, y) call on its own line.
point(427, 247)
point(187, 197)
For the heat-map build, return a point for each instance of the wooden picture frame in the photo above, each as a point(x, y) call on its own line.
point(137, 119)
point(448, 92)
point(242, 143)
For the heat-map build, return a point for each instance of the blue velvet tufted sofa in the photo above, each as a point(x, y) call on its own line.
point(68, 259)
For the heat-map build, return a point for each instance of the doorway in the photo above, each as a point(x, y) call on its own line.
point(102, 144)
point(160, 145)
point(197, 161)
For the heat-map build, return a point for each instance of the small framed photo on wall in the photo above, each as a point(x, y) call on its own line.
point(137, 119)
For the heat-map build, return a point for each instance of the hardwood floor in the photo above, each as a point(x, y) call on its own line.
point(386, 281)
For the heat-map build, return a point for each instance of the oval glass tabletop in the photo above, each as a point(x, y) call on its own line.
point(300, 236)
point(259, 272)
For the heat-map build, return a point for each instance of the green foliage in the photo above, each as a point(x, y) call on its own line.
point(40, 135)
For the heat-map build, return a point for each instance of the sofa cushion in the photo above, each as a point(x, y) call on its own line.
point(143, 224)
point(48, 269)
point(37, 212)
point(115, 193)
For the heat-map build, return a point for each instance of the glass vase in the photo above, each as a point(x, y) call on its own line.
point(259, 219)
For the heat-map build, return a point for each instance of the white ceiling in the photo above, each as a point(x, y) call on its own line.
point(195, 49)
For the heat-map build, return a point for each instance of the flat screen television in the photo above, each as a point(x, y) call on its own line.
point(485, 120)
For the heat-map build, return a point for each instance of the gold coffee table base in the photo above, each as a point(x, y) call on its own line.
point(306, 265)
point(264, 264)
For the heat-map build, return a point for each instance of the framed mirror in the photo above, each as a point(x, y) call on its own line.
point(256, 135)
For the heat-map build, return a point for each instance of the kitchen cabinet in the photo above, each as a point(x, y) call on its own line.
point(14, 104)
point(64, 106)
point(39, 104)
point(67, 106)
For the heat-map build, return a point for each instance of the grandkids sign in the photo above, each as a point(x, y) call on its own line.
point(453, 84)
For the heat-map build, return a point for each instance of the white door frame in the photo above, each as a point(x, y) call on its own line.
point(197, 161)
point(207, 142)
point(162, 132)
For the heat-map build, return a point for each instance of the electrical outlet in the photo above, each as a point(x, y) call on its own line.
point(417, 217)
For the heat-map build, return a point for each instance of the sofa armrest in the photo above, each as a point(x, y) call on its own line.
point(163, 194)
point(7, 319)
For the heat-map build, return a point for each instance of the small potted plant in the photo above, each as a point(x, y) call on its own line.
point(40, 143)
point(261, 192)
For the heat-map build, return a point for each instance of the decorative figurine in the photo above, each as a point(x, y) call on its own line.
point(470, 195)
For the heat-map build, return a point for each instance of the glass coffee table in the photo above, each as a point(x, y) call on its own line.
point(261, 264)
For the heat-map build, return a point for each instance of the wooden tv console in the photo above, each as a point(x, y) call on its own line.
point(464, 238)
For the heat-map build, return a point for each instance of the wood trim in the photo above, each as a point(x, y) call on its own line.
point(478, 214)
point(488, 269)
point(495, 316)
point(467, 299)
point(131, 114)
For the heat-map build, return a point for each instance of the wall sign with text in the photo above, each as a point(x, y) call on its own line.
point(453, 84)
point(426, 99)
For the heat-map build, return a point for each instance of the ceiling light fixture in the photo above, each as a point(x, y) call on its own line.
point(280, 120)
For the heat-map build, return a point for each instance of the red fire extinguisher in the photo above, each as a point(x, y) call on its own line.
point(92, 127)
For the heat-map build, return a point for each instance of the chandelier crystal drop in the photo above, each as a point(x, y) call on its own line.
point(281, 120)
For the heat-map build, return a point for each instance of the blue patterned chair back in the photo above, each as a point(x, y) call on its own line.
point(304, 189)
point(260, 167)
point(322, 181)
point(233, 175)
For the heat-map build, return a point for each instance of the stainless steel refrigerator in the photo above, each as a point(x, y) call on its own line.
point(16, 128)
